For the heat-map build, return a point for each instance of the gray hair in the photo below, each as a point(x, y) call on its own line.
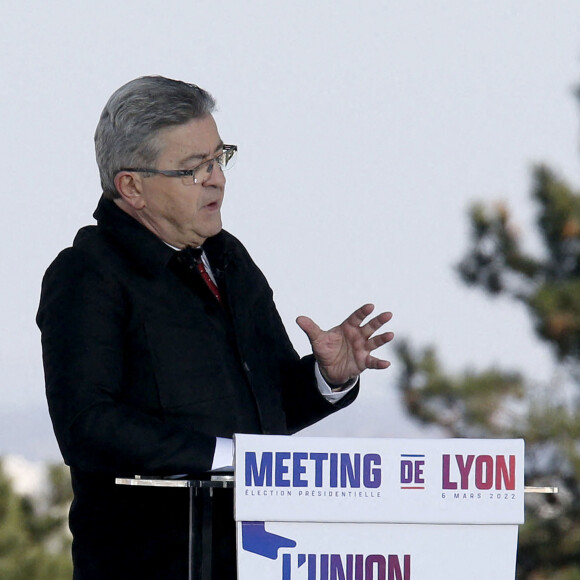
point(131, 121)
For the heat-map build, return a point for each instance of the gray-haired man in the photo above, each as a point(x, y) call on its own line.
point(161, 339)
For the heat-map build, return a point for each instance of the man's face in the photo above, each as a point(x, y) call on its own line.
point(184, 215)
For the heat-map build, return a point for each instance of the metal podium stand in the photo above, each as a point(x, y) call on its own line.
point(200, 515)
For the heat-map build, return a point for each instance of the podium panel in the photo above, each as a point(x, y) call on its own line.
point(386, 509)
point(323, 551)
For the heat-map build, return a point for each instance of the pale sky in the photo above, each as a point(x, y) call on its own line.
point(365, 130)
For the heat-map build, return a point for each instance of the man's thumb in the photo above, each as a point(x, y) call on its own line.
point(310, 327)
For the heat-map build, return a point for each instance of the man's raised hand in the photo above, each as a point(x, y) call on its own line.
point(344, 351)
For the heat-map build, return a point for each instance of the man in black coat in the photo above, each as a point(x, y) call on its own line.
point(161, 338)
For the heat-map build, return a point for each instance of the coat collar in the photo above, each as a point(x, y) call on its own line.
point(143, 247)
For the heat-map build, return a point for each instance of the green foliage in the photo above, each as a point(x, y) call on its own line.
point(556, 306)
point(497, 403)
point(466, 405)
point(34, 542)
point(549, 285)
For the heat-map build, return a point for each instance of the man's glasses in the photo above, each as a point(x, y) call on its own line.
point(199, 174)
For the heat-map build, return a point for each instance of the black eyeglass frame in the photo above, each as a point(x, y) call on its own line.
point(228, 151)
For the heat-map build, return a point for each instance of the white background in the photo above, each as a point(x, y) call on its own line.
point(365, 128)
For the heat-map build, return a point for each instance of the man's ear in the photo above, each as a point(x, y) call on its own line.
point(130, 186)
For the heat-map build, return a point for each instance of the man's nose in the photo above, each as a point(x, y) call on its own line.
point(216, 178)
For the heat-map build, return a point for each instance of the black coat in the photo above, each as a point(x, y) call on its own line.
point(144, 369)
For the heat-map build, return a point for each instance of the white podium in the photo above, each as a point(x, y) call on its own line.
point(377, 509)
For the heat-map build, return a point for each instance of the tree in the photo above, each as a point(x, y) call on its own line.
point(34, 543)
point(499, 403)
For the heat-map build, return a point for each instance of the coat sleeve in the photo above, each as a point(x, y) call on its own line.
point(82, 318)
point(303, 403)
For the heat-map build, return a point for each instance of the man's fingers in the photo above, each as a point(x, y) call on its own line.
point(377, 363)
point(375, 323)
point(379, 340)
point(357, 317)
